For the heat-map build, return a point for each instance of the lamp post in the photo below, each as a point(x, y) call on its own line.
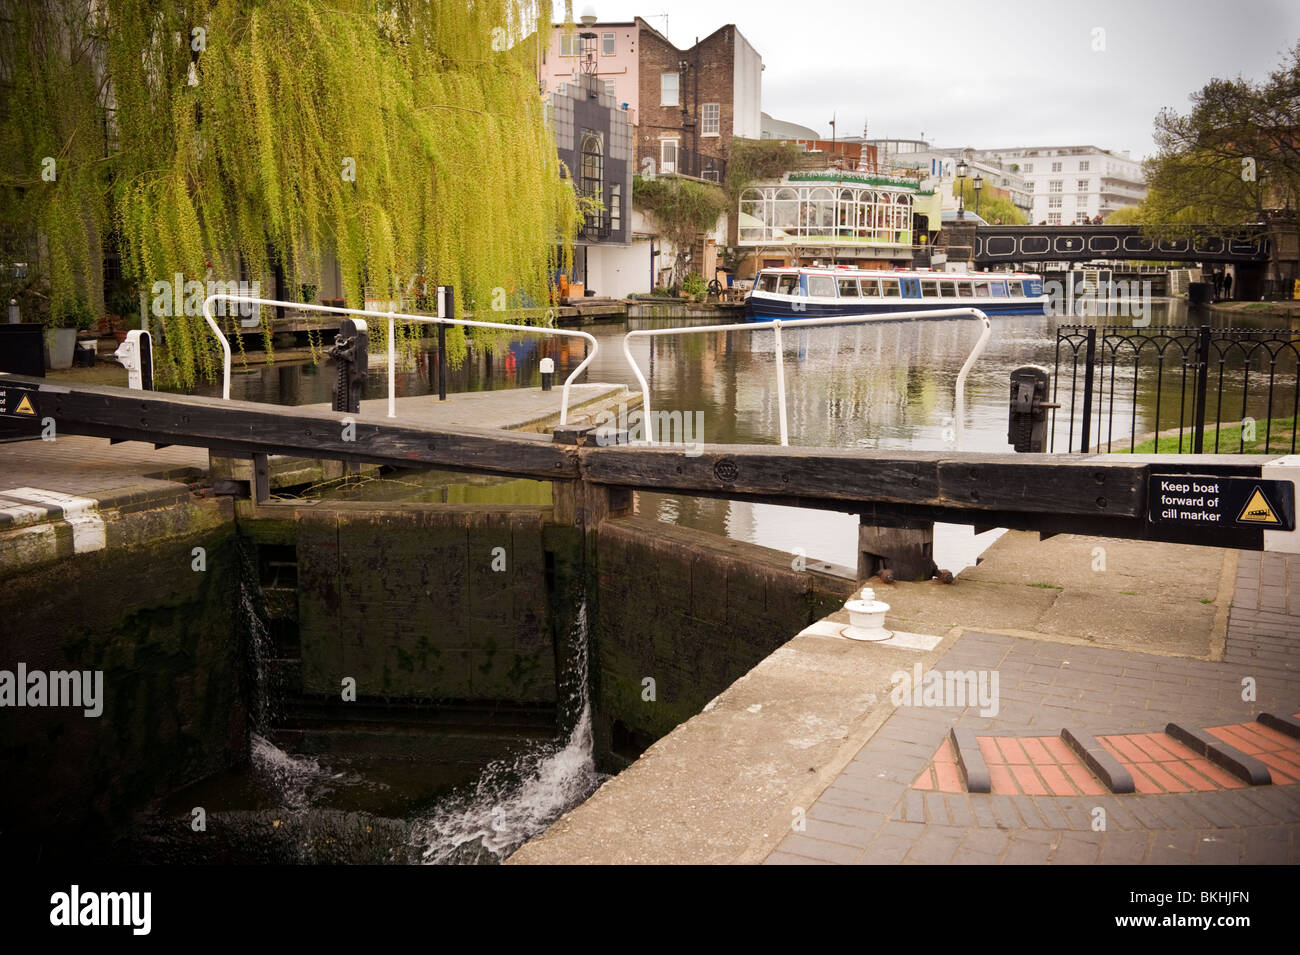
point(962, 170)
point(978, 184)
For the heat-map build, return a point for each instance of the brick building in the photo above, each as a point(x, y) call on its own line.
point(693, 102)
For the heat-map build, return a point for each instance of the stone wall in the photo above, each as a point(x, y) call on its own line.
point(692, 611)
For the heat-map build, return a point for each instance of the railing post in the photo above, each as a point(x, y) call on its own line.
point(448, 299)
point(1089, 368)
point(780, 383)
point(392, 367)
point(1202, 380)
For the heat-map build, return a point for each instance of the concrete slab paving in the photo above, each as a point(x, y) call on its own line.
point(807, 760)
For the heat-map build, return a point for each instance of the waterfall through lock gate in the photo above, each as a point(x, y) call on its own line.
point(512, 800)
point(518, 798)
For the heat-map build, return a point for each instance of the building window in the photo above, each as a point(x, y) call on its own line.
point(668, 155)
point(1053, 218)
point(1082, 185)
point(1056, 167)
point(610, 89)
point(1054, 202)
point(615, 207)
point(1054, 186)
point(1083, 165)
point(1028, 168)
point(668, 89)
point(607, 44)
point(570, 44)
point(711, 119)
point(592, 179)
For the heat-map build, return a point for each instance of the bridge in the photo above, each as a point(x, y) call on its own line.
point(1004, 245)
point(594, 474)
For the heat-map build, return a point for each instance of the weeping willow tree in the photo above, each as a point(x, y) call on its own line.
point(223, 140)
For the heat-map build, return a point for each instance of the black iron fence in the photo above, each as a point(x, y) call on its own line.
point(1175, 389)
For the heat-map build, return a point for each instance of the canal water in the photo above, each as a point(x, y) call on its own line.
point(887, 385)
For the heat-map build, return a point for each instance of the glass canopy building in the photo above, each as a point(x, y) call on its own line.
point(869, 220)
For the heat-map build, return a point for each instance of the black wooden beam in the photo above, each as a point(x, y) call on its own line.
point(246, 428)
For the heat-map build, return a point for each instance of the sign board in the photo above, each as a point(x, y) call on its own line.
point(1211, 501)
point(18, 403)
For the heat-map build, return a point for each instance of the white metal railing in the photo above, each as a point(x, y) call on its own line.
point(776, 326)
point(392, 318)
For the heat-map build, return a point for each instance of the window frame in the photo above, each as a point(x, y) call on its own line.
point(716, 122)
point(613, 43)
point(664, 165)
point(677, 89)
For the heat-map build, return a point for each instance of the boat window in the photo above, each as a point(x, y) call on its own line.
point(821, 285)
point(890, 287)
point(848, 288)
point(948, 289)
point(870, 287)
point(767, 283)
point(982, 289)
point(999, 289)
point(788, 284)
point(964, 290)
point(1016, 290)
point(929, 289)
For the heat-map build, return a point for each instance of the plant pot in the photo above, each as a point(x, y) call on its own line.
point(59, 346)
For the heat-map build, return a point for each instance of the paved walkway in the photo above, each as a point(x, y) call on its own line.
point(875, 811)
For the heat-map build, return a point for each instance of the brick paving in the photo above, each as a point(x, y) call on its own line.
point(898, 801)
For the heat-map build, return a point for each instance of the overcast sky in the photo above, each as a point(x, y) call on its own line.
point(986, 73)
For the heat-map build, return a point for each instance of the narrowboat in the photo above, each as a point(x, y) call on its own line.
point(794, 293)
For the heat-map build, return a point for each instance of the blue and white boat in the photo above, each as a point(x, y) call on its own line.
point(794, 293)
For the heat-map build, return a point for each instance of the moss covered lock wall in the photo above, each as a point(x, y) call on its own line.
point(165, 637)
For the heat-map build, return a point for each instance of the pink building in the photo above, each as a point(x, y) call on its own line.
point(615, 52)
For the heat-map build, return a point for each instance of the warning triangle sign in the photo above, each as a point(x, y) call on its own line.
point(1258, 510)
point(25, 406)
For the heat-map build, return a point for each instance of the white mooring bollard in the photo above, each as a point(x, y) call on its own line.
point(867, 618)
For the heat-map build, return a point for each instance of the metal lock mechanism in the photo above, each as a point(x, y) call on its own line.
point(136, 356)
point(1027, 425)
point(351, 349)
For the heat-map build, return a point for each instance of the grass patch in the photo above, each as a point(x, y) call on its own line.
point(1129, 593)
point(1278, 431)
point(1047, 586)
point(1206, 600)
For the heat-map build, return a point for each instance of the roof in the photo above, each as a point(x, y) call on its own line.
point(780, 129)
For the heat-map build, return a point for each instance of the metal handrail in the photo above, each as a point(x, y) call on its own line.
point(776, 325)
point(392, 316)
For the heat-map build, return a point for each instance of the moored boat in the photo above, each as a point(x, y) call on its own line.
point(795, 293)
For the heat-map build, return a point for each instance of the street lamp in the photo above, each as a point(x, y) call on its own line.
point(962, 170)
point(978, 184)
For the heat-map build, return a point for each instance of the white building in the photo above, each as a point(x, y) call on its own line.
point(1072, 183)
